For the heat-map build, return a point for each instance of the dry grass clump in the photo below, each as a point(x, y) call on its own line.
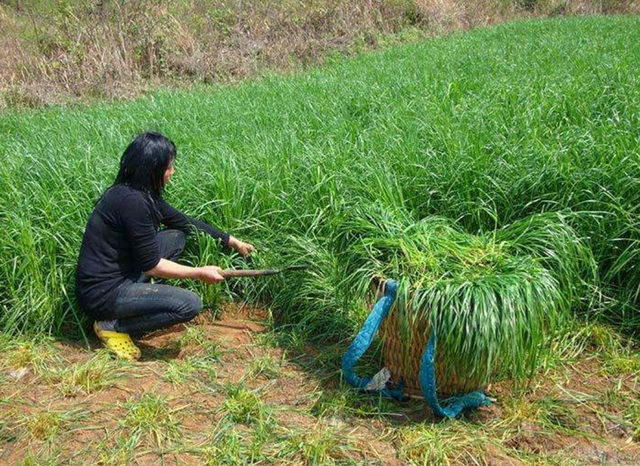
point(60, 50)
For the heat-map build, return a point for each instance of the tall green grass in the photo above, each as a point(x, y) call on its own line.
point(486, 129)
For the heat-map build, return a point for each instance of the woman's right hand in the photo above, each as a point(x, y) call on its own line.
point(210, 274)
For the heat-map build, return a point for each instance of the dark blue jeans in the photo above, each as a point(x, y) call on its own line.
point(141, 306)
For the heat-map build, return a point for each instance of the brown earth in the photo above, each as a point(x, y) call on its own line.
point(561, 417)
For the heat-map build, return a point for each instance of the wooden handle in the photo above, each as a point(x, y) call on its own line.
point(232, 273)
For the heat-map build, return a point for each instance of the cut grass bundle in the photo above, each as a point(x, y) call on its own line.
point(492, 300)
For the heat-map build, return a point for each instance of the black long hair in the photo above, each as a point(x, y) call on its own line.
point(144, 163)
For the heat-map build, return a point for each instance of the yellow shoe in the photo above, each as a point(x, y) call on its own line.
point(119, 343)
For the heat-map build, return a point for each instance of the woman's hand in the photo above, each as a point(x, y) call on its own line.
point(209, 274)
point(243, 248)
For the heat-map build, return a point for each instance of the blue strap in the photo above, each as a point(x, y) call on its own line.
point(455, 405)
point(363, 340)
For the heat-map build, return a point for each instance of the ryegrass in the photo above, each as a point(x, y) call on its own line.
point(38, 355)
point(620, 356)
point(179, 371)
point(264, 366)
point(36, 460)
point(151, 418)
point(244, 406)
point(493, 130)
point(314, 448)
point(44, 426)
point(47, 426)
point(447, 444)
point(195, 341)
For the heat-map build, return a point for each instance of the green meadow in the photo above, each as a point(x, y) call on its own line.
point(483, 128)
point(495, 174)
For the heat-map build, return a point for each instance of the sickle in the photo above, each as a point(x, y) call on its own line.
point(235, 273)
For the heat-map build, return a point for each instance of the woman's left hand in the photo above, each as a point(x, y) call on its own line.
point(243, 248)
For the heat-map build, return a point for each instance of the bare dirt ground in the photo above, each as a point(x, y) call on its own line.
point(228, 391)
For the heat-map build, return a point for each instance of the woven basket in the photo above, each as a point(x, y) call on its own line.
point(403, 358)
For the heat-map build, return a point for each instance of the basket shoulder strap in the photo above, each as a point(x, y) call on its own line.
point(363, 340)
point(455, 405)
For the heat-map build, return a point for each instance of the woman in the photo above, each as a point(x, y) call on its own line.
point(123, 248)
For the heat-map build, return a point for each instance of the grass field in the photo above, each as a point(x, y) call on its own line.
point(488, 133)
point(484, 128)
point(228, 391)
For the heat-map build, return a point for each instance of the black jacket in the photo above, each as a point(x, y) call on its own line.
point(120, 242)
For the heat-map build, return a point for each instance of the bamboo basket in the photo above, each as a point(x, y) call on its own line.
point(403, 358)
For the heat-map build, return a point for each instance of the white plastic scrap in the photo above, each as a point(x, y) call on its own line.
point(379, 381)
point(19, 373)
